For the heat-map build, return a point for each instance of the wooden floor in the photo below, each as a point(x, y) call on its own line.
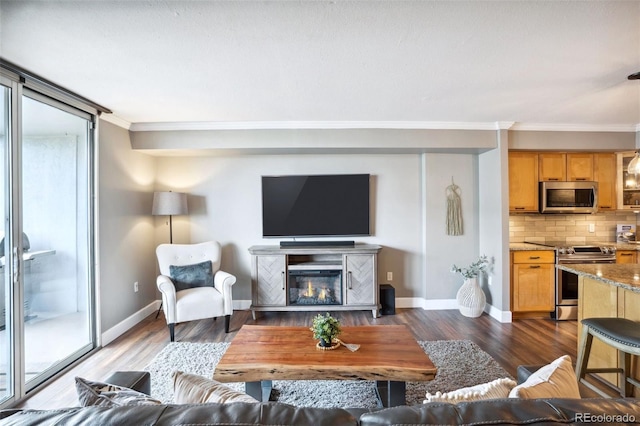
point(531, 341)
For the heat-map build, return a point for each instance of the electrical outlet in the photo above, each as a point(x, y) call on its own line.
point(135, 287)
point(389, 276)
point(592, 227)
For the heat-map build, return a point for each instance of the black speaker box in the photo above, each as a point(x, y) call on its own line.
point(387, 299)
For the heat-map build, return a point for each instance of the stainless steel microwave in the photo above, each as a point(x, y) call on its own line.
point(568, 197)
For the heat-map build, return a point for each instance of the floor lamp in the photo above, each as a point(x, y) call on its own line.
point(169, 204)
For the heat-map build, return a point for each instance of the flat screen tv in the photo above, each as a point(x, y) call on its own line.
point(315, 205)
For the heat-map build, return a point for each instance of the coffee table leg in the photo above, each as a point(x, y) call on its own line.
point(259, 390)
point(391, 393)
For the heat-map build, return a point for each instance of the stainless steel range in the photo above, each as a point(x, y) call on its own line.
point(567, 282)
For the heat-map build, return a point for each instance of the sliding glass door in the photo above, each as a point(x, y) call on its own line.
point(46, 251)
point(55, 235)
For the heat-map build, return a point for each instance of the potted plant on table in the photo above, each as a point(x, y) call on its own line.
point(325, 328)
point(471, 299)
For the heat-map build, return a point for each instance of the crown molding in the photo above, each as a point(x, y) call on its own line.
point(316, 125)
point(555, 127)
point(114, 119)
point(504, 125)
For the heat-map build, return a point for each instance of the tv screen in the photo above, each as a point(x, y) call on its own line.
point(318, 205)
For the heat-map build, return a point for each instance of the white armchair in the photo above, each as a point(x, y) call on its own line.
point(198, 302)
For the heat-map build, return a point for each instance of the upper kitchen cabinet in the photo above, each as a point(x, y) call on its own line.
point(552, 166)
point(523, 181)
point(604, 172)
point(579, 167)
point(628, 184)
point(561, 167)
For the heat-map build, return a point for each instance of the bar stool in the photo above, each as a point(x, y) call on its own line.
point(620, 333)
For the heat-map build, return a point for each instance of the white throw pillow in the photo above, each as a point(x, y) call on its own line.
point(194, 389)
point(555, 380)
point(498, 388)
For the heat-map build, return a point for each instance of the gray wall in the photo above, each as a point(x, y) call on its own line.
point(225, 205)
point(493, 221)
point(580, 141)
point(442, 250)
point(409, 201)
point(126, 232)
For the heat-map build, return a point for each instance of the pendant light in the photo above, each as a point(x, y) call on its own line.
point(634, 165)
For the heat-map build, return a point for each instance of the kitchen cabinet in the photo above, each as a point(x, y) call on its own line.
point(527, 169)
point(626, 256)
point(604, 172)
point(523, 181)
point(570, 167)
point(579, 167)
point(533, 281)
point(552, 166)
point(628, 185)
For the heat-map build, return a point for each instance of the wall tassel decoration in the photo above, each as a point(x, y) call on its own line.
point(454, 209)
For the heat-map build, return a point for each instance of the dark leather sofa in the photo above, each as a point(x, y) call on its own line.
point(495, 412)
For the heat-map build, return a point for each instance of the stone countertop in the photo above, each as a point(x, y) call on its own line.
point(528, 246)
point(626, 276)
point(627, 246)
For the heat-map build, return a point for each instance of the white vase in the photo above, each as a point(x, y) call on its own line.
point(471, 298)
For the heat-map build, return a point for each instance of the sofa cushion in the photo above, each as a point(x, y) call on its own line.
point(190, 276)
point(194, 389)
point(555, 380)
point(105, 394)
point(498, 388)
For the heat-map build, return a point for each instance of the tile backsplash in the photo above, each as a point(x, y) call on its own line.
point(570, 228)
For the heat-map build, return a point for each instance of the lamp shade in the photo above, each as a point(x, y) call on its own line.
point(169, 203)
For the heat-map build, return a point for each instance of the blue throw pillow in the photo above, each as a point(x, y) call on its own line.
point(190, 276)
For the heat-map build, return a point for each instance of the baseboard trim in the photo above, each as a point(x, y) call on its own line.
point(426, 304)
point(502, 316)
point(125, 325)
point(445, 304)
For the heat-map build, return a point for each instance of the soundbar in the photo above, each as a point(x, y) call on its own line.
point(317, 244)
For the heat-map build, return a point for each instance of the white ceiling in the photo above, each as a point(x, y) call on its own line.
point(247, 64)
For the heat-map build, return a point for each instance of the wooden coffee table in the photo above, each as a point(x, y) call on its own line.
point(388, 354)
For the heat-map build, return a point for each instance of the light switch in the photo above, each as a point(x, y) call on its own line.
point(592, 227)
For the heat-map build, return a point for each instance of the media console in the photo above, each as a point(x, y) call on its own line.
point(314, 278)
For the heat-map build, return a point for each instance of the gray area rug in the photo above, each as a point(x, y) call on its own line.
point(460, 363)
